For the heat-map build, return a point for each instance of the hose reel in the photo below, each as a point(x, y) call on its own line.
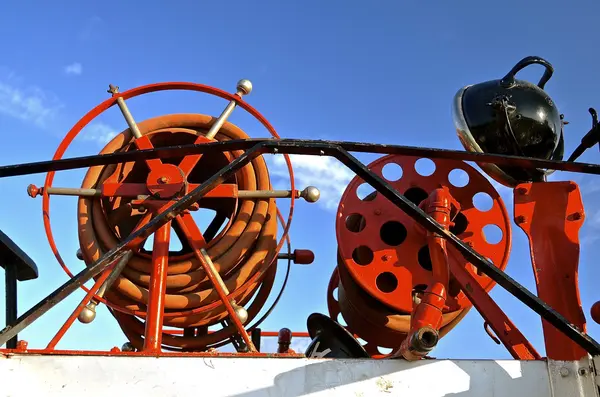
point(239, 246)
point(384, 263)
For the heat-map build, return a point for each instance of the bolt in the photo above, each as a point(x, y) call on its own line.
point(582, 371)
point(385, 258)
point(520, 219)
point(564, 372)
point(163, 179)
point(113, 89)
point(377, 212)
point(575, 216)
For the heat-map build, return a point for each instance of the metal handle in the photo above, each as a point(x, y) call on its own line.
point(509, 79)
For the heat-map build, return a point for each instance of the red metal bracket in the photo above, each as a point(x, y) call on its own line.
point(551, 214)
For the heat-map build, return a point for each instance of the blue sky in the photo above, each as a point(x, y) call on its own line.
point(381, 71)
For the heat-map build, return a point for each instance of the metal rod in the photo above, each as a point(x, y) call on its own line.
point(34, 191)
point(134, 238)
point(126, 113)
point(80, 307)
point(88, 314)
point(244, 87)
point(10, 279)
point(289, 146)
point(157, 290)
point(114, 274)
point(308, 194)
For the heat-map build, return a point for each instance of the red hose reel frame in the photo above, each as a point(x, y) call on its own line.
point(132, 93)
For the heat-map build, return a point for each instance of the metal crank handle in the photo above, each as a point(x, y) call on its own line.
point(244, 87)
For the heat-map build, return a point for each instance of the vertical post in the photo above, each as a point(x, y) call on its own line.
point(157, 290)
point(10, 278)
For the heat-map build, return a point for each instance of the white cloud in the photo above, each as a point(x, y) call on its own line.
point(98, 132)
point(326, 173)
point(30, 104)
point(75, 68)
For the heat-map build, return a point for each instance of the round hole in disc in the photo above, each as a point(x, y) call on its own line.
point(355, 223)
point(492, 234)
point(365, 192)
point(424, 258)
point(416, 195)
point(460, 224)
point(384, 350)
point(425, 167)
point(458, 177)
point(362, 255)
point(483, 202)
point(392, 172)
point(386, 282)
point(393, 233)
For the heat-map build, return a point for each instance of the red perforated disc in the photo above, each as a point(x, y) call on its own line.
point(383, 249)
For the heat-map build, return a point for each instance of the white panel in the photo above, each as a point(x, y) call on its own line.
point(257, 377)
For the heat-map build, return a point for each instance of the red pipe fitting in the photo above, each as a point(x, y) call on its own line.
point(426, 318)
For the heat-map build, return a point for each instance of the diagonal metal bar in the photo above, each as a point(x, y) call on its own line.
point(500, 277)
point(290, 146)
point(122, 248)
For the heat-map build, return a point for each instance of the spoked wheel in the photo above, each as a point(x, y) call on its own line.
point(227, 266)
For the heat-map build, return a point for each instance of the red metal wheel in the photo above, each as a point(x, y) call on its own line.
point(105, 220)
point(383, 257)
point(386, 253)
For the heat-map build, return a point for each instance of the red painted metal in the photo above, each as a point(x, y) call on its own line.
point(551, 214)
point(115, 352)
point(67, 324)
point(376, 299)
point(427, 315)
point(194, 235)
point(151, 88)
point(595, 312)
point(157, 290)
point(116, 189)
point(166, 181)
point(505, 331)
point(387, 271)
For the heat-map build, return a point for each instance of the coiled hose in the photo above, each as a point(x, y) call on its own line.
point(243, 252)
